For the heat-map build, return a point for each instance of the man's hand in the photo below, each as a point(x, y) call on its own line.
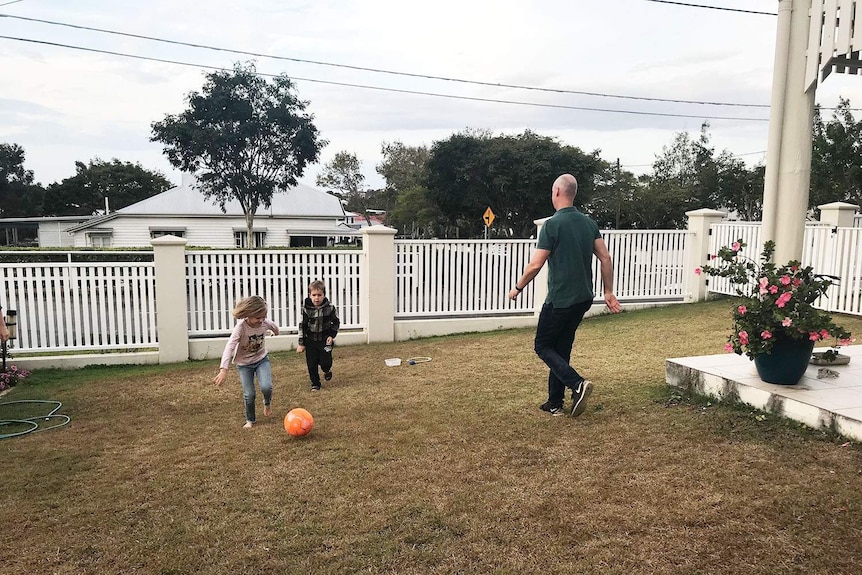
point(612, 303)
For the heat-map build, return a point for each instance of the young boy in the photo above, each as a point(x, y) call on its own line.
point(317, 333)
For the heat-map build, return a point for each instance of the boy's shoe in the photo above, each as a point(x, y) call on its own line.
point(554, 411)
point(315, 388)
point(328, 375)
point(580, 396)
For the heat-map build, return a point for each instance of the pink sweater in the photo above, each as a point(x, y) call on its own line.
point(245, 345)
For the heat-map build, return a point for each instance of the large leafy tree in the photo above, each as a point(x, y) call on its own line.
point(20, 196)
point(244, 136)
point(405, 197)
point(121, 183)
point(343, 175)
point(836, 164)
point(469, 172)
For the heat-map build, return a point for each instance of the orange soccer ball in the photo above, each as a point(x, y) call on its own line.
point(298, 422)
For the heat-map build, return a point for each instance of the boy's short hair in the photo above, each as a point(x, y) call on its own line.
point(249, 307)
point(317, 285)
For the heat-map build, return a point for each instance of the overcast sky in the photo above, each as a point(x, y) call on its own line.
point(64, 105)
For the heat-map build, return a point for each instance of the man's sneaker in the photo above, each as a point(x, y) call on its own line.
point(315, 388)
point(328, 375)
point(555, 411)
point(580, 396)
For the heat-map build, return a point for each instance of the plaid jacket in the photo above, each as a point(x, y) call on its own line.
point(318, 323)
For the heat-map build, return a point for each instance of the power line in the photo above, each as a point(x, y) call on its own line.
point(379, 70)
point(714, 7)
point(732, 156)
point(395, 90)
point(12, 2)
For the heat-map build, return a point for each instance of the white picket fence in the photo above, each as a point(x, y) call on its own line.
point(101, 306)
point(460, 277)
point(82, 306)
point(649, 265)
point(830, 251)
point(217, 279)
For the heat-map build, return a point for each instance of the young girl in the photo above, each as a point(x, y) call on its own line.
point(248, 352)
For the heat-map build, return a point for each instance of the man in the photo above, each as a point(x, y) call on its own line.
point(567, 242)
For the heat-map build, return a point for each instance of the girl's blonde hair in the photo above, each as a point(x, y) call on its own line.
point(250, 307)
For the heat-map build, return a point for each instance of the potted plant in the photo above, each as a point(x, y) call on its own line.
point(775, 322)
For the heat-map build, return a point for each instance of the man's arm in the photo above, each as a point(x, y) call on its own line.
point(533, 267)
point(607, 271)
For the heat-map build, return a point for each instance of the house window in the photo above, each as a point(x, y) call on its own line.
point(258, 241)
point(157, 233)
point(309, 241)
point(100, 240)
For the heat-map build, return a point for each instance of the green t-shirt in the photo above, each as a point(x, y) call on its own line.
point(570, 237)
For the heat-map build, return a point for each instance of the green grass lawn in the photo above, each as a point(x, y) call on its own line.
point(440, 467)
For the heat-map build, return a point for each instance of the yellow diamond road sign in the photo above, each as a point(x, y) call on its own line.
point(488, 216)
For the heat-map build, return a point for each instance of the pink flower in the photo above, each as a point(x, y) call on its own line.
point(728, 347)
point(766, 334)
point(735, 246)
point(743, 337)
point(763, 284)
point(813, 336)
point(773, 289)
point(847, 341)
point(787, 322)
point(783, 299)
point(742, 310)
point(824, 334)
point(796, 282)
point(785, 280)
point(697, 271)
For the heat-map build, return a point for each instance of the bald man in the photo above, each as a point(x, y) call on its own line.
point(567, 241)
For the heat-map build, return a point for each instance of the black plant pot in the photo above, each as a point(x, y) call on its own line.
point(787, 363)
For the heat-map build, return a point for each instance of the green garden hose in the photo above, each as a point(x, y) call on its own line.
point(34, 421)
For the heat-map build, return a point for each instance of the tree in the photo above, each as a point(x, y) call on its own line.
point(342, 173)
point(611, 205)
point(246, 137)
point(19, 195)
point(512, 175)
point(836, 163)
point(84, 194)
point(405, 197)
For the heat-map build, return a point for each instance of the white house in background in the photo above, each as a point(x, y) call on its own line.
point(38, 231)
point(301, 216)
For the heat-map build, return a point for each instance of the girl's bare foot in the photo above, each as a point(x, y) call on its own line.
point(267, 410)
point(248, 425)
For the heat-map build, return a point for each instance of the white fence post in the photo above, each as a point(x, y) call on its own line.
point(838, 214)
point(169, 257)
point(377, 283)
point(699, 222)
point(541, 279)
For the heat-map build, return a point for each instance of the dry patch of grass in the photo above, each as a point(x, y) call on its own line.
point(441, 467)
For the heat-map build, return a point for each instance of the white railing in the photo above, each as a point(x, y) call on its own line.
point(85, 306)
point(460, 277)
point(648, 265)
point(830, 251)
point(217, 279)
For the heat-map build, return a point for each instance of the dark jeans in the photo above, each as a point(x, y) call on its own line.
point(315, 356)
point(555, 335)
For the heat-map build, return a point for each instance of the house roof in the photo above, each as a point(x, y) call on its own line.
point(299, 201)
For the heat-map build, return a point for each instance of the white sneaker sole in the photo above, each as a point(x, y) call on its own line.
point(580, 406)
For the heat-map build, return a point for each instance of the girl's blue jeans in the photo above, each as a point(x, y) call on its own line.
point(247, 373)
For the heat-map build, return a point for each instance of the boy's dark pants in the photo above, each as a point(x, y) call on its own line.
point(315, 356)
